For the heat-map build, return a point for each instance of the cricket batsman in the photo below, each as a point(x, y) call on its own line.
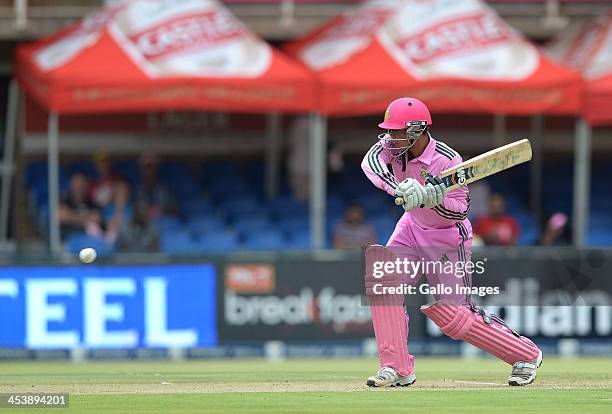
point(406, 162)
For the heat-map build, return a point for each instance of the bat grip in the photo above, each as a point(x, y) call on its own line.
point(399, 201)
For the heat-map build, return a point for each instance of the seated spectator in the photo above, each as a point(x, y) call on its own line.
point(76, 211)
point(132, 232)
point(153, 195)
point(497, 228)
point(101, 190)
point(353, 232)
point(138, 234)
point(119, 212)
point(554, 232)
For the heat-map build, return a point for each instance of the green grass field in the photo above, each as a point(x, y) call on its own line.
point(312, 386)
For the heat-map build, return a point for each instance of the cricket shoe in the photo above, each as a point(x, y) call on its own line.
point(523, 372)
point(389, 377)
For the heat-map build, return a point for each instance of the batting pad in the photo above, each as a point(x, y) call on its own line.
point(388, 316)
point(487, 332)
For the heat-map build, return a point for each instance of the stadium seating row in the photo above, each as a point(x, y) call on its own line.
point(213, 219)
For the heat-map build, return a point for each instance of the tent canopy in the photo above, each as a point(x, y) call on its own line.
point(458, 56)
point(143, 55)
point(587, 47)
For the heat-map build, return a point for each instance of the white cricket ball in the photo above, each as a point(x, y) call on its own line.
point(88, 255)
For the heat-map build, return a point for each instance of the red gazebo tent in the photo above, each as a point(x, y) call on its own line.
point(142, 55)
point(587, 47)
point(457, 56)
point(145, 55)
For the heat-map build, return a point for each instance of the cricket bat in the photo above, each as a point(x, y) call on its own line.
point(489, 163)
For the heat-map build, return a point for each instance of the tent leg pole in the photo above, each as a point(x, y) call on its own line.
point(536, 135)
point(582, 168)
point(273, 131)
point(318, 172)
point(53, 165)
point(8, 164)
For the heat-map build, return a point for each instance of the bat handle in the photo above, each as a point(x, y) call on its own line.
point(399, 201)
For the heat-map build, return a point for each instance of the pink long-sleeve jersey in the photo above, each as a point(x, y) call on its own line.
point(386, 171)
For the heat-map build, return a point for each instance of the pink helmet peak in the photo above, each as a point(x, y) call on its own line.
point(402, 111)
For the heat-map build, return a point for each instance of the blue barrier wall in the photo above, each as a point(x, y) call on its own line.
point(108, 306)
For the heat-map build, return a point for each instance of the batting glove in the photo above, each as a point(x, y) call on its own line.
point(436, 191)
point(413, 193)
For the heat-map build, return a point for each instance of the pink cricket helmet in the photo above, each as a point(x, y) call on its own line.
point(402, 111)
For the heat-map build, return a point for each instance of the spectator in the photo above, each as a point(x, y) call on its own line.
point(497, 228)
point(153, 195)
point(101, 190)
point(76, 211)
point(138, 234)
point(554, 232)
point(119, 213)
point(353, 232)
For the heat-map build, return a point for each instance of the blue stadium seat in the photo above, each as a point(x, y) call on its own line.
point(375, 203)
point(239, 205)
point(290, 223)
point(383, 226)
point(39, 193)
point(178, 242)
point(251, 223)
point(218, 242)
point(37, 177)
point(199, 225)
point(335, 204)
point(299, 240)
point(528, 236)
point(167, 223)
point(599, 238)
point(35, 171)
point(233, 215)
point(335, 208)
point(286, 205)
point(196, 207)
point(524, 219)
point(265, 240)
point(600, 221)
